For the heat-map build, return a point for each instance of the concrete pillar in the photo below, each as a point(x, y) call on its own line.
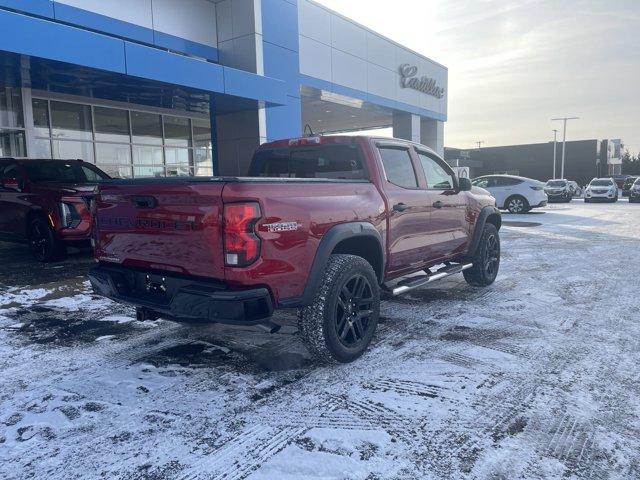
point(238, 134)
point(406, 126)
point(432, 135)
point(261, 37)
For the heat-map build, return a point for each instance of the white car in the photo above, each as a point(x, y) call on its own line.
point(513, 193)
point(601, 189)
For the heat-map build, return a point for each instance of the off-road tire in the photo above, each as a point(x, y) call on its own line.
point(512, 207)
point(320, 322)
point(42, 242)
point(482, 274)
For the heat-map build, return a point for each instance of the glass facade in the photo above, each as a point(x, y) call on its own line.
point(123, 142)
point(12, 131)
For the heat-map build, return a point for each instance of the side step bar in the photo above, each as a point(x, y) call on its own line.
point(416, 282)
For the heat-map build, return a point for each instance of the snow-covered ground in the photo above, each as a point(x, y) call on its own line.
point(535, 377)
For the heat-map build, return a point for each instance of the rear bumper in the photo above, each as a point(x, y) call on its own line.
point(180, 298)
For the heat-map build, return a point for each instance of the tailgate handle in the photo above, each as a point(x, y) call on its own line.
point(144, 201)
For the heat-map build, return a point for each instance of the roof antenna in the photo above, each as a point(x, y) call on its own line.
point(308, 128)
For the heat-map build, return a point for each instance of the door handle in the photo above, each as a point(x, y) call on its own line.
point(400, 207)
point(438, 204)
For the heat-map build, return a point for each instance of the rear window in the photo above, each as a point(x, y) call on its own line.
point(63, 172)
point(324, 161)
point(507, 181)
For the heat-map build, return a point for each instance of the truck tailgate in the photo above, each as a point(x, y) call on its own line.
point(173, 227)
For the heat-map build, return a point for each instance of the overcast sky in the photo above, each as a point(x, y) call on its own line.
point(514, 65)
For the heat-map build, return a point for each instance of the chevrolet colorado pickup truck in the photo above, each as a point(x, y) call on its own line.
point(321, 224)
point(46, 203)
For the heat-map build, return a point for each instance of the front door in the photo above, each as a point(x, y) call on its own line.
point(448, 230)
point(408, 207)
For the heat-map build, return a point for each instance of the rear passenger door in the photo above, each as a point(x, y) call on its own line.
point(504, 188)
point(447, 230)
point(408, 209)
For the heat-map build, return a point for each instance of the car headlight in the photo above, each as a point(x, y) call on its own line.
point(69, 215)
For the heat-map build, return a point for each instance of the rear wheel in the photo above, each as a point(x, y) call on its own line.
point(517, 204)
point(42, 242)
point(486, 261)
point(341, 321)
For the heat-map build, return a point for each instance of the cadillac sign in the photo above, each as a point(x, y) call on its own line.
point(424, 84)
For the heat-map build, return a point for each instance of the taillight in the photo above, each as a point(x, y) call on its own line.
point(241, 244)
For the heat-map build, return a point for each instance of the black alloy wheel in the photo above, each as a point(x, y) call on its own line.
point(42, 242)
point(341, 321)
point(354, 308)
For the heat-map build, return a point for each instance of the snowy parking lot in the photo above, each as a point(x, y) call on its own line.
point(534, 377)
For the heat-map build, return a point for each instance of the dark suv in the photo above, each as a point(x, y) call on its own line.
point(46, 203)
point(628, 184)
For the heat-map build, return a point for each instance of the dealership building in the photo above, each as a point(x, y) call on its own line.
point(177, 87)
point(584, 160)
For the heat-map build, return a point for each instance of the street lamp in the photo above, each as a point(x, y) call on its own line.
point(555, 139)
point(564, 139)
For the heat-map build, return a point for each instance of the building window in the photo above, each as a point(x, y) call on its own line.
point(123, 143)
point(71, 121)
point(12, 132)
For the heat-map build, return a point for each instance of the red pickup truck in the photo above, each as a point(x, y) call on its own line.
point(321, 224)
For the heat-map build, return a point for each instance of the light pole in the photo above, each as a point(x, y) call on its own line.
point(555, 139)
point(479, 143)
point(564, 139)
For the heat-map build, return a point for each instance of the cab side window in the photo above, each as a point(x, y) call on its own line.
point(436, 176)
point(398, 167)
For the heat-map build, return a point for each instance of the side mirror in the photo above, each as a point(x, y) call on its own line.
point(464, 184)
point(11, 184)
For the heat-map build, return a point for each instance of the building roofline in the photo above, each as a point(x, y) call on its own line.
point(397, 44)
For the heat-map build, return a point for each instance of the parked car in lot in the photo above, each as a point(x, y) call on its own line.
point(619, 179)
point(513, 193)
point(634, 194)
point(601, 189)
point(628, 183)
point(46, 203)
point(323, 225)
point(559, 190)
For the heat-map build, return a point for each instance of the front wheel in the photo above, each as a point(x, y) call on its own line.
point(340, 322)
point(42, 241)
point(517, 204)
point(486, 260)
